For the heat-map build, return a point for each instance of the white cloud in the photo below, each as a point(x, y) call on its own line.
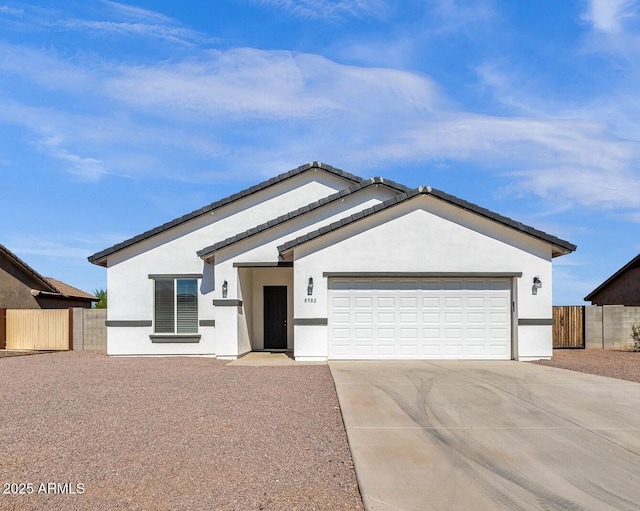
point(329, 9)
point(609, 16)
point(137, 13)
point(45, 69)
point(240, 108)
point(454, 14)
point(5, 9)
point(161, 31)
point(61, 247)
point(272, 85)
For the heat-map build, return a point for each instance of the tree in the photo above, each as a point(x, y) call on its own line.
point(102, 302)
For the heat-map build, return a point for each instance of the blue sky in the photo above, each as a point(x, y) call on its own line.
point(117, 117)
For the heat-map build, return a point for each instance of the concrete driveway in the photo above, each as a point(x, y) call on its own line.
point(447, 435)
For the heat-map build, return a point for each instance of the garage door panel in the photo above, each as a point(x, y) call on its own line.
point(364, 334)
point(452, 334)
point(408, 333)
point(386, 302)
point(498, 302)
point(341, 350)
point(453, 318)
point(477, 318)
point(364, 317)
point(341, 333)
point(408, 301)
point(431, 333)
point(476, 350)
point(386, 349)
point(409, 317)
point(342, 318)
point(409, 350)
point(427, 318)
point(431, 350)
point(386, 318)
point(476, 333)
point(364, 350)
point(453, 350)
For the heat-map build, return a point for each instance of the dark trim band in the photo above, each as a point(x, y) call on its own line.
point(182, 339)
point(227, 303)
point(420, 274)
point(128, 323)
point(207, 322)
point(535, 322)
point(311, 321)
point(155, 276)
point(272, 264)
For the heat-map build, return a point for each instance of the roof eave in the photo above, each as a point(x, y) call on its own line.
point(208, 252)
point(99, 258)
point(559, 247)
point(631, 264)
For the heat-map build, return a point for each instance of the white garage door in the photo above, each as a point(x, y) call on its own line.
point(419, 319)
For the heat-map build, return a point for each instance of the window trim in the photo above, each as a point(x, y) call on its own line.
point(174, 335)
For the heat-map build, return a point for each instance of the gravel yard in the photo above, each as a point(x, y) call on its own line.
point(624, 365)
point(170, 434)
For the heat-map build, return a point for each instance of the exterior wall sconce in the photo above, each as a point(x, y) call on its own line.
point(225, 289)
point(537, 284)
point(310, 287)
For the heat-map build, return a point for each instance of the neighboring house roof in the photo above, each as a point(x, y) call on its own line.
point(100, 257)
point(560, 246)
point(631, 265)
point(208, 251)
point(70, 291)
point(47, 286)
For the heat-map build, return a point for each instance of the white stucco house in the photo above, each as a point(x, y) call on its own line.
point(332, 266)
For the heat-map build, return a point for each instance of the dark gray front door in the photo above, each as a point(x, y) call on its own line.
point(275, 317)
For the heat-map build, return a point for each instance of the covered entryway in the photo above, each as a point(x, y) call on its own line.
point(266, 319)
point(422, 318)
point(275, 317)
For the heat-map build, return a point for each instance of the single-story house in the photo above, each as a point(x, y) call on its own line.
point(329, 265)
point(21, 287)
point(622, 288)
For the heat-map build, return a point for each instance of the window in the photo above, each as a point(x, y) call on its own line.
point(176, 306)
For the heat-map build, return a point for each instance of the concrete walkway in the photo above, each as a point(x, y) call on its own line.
point(269, 358)
point(432, 435)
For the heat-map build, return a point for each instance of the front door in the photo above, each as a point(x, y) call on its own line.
point(275, 317)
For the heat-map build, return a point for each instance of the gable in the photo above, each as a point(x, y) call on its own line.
point(21, 287)
point(622, 288)
point(311, 216)
point(15, 287)
point(422, 234)
point(268, 199)
point(460, 209)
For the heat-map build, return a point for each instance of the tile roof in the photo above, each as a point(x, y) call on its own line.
point(100, 257)
point(27, 269)
point(48, 285)
point(205, 252)
point(563, 247)
point(70, 291)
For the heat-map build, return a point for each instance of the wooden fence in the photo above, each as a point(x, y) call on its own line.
point(568, 326)
point(34, 329)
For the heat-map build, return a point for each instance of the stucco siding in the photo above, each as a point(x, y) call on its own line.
point(15, 288)
point(175, 252)
point(418, 237)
